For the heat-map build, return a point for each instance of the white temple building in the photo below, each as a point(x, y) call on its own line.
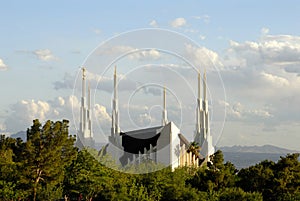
point(163, 144)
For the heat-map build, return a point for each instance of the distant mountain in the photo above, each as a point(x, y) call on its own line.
point(20, 134)
point(270, 149)
point(245, 156)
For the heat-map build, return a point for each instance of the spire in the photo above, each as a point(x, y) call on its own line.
point(83, 81)
point(115, 83)
point(89, 111)
point(165, 100)
point(164, 113)
point(89, 96)
point(82, 107)
point(198, 110)
point(115, 114)
point(204, 86)
point(199, 85)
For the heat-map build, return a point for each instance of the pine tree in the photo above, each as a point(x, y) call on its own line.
point(47, 151)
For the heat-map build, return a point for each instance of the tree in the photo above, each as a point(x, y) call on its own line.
point(43, 157)
point(237, 194)
point(287, 177)
point(276, 181)
point(85, 176)
point(258, 178)
point(215, 176)
point(194, 148)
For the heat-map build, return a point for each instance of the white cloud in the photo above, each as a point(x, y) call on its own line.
point(3, 66)
point(145, 55)
point(153, 23)
point(239, 112)
point(203, 57)
point(101, 114)
point(275, 80)
point(202, 37)
point(264, 31)
point(263, 76)
point(273, 50)
point(23, 112)
point(44, 55)
point(178, 22)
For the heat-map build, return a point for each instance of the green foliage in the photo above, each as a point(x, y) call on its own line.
point(85, 176)
point(215, 176)
point(276, 181)
point(194, 148)
point(238, 194)
point(35, 168)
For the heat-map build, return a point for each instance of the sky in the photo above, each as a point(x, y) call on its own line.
point(251, 50)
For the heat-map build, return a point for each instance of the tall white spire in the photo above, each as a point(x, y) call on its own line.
point(85, 135)
point(164, 113)
point(198, 110)
point(202, 133)
point(115, 113)
point(204, 86)
point(82, 107)
point(115, 84)
point(89, 111)
point(199, 85)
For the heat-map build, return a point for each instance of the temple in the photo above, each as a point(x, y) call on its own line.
point(163, 144)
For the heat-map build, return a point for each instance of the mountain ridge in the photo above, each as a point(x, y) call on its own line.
point(271, 149)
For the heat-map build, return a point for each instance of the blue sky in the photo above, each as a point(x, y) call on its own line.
point(257, 43)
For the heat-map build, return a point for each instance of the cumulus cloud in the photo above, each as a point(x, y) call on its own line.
point(202, 37)
point(275, 80)
point(178, 22)
point(44, 55)
point(238, 112)
point(23, 112)
point(153, 23)
point(3, 66)
point(203, 57)
point(275, 50)
point(142, 55)
point(263, 75)
point(264, 31)
point(101, 114)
